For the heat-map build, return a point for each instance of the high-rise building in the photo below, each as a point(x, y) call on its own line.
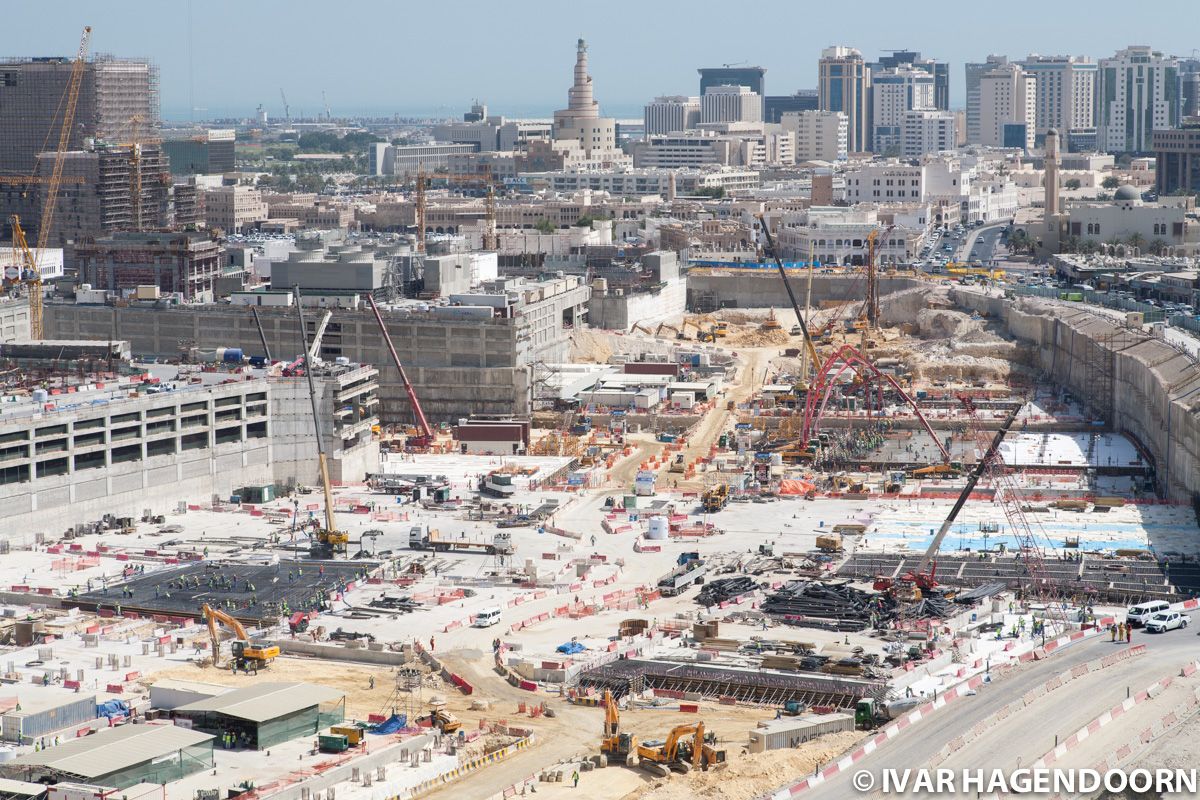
point(1189, 87)
point(776, 105)
point(580, 121)
point(753, 78)
point(210, 153)
point(895, 92)
point(671, 113)
point(940, 70)
point(972, 73)
point(1137, 92)
point(1066, 92)
point(1007, 107)
point(820, 135)
point(928, 131)
point(844, 84)
point(730, 104)
point(1177, 159)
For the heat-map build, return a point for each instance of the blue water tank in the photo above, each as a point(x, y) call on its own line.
point(232, 355)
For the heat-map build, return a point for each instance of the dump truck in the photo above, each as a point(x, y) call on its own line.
point(691, 570)
point(424, 538)
point(871, 713)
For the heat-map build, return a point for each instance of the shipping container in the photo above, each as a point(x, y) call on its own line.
point(788, 732)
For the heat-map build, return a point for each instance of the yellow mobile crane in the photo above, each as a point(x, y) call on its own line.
point(328, 541)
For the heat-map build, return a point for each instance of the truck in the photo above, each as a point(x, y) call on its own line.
point(691, 570)
point(715, 498)
point(871, 713)
point(424, 538)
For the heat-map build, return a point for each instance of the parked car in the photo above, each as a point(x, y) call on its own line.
point(1141, 613)
point(1167, 621)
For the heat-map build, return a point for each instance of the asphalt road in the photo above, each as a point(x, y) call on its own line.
point(920, 742)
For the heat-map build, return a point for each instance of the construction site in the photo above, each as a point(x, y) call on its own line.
point(821, 520)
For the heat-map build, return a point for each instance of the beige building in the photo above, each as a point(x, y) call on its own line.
point(1007, 107)
point(234, 208)
point(580, 121)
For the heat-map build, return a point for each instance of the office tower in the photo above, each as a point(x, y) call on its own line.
point(1007, 107)
point(972, 73)
point(1137, 92)
point(1066, 92)
point(940, 70)
point(844, 81)
point(671, 113)
point(895, 92)
point(750, 77)
point(730, 104)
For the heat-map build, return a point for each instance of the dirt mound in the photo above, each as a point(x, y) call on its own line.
point(590, 347)
point(756, 338)
point(937, 323)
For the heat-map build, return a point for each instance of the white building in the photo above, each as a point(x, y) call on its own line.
point(646, 181)
point(580, 121)
point(1171, 220)
point(1137, 92)
point(926, 131)
point(820, 135)
point(1007, 107)
point(1066, 92)
point(965, 190)
point(493, 133)
point(895, 92)
point(671, 114)
point(709, 148)
point(730, 104)
point(838, 235)
point(49, 262)
point(972, 74)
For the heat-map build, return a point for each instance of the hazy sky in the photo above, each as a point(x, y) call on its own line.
point(429, 56)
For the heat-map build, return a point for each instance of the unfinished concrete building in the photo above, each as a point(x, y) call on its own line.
point(186, 263)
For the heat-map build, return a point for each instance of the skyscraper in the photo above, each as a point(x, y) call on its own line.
point(940, 70)
point(1137, 92)
point(1007, 107)
point(843, 84)
point(1066, 93)
point(730, 104)
point(670, 114)
point(776, 105)
point(753, 78)
point(972, 73)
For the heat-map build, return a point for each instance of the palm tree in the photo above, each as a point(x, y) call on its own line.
point(1136, 240)
point(1157, 246)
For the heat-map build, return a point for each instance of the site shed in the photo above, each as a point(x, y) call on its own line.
point(267, 714)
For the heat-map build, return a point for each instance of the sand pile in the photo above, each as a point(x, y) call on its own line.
point(937, 323)
point(746, 777)
point(756, 338)
point(590, 347)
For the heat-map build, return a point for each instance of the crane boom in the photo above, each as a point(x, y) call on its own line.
point(330, 533)
point(976, 473)
point(422, 422)
point(262, 336)
point(808, 342)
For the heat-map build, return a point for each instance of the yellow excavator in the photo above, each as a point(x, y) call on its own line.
point(678, 753)
point(616, 746)
point(248, 655)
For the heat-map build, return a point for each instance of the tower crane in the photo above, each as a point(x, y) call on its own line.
point(287, 111)
point(31, 276)
point(325, 102)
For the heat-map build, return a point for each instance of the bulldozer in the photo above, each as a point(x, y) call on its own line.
point(678, 753)
point(439, 717)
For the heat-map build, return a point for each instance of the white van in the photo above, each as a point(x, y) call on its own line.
point(1137, 615)
point(487, 618)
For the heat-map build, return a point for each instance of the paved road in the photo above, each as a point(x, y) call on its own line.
point(917, 745)
point(982, 241)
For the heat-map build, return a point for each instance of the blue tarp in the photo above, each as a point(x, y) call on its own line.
point(392, 724)
point(112, 708)
point(571, 648)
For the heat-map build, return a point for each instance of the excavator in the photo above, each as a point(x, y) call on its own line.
point(679, 754)
point(616, 745)
point(248, 655)
point(702, 335)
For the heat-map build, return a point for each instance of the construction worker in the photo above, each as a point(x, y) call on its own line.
point(1128, 633)
point(575, 779)
point(1120, 631)
point(431, 647)
point(1112, 629)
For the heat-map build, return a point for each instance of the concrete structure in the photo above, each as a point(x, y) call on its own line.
point(209, 153)
point(1066, 92)
point(493, 133)
point(95, 196)
point(926, 132)
point(647, 181)
point(1136, 93)
point(844, 85)
point(702, 148)
point(753, 78)
point(49, 261)
point(580, 121)
point(895, 92)
point(940, 70)
point(460, 363)
point(147, 440)
point(14, 319)
point(957, 189)
point(820, 135)
point(775, 106)
point(838, 235)
point(672, 113)
point(187, 264)
point(730, 104)
point(234, 209)
point(1177, 159)
point(1007, 107)
point(112, 93)
point(972, 74)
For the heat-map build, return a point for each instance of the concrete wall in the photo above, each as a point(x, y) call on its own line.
point(764, 289)
point(619, 313)
point(458, 367)
point(14, 320)
point(1156, 388)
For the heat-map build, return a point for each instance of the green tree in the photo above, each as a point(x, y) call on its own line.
point(715, 192)
point(585, 221)
point(1072, 183)
point(1111, 182)
point(544, 226)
